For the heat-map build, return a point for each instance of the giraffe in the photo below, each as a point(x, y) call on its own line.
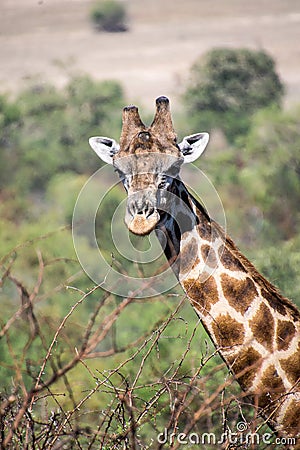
point(254, 328)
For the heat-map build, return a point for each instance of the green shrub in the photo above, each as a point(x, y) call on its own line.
point(45, 131)
point(228, 85)
point(109, 15)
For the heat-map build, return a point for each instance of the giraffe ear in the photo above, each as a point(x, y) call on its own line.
point(193, 146)
point(105, 148)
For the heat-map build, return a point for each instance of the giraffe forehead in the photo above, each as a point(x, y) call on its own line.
point(148, 141)
point(146, 163)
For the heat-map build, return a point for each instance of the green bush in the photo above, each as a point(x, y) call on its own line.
point(109, 15)
point(270, 168)
point(47, 132)
point(228, 85)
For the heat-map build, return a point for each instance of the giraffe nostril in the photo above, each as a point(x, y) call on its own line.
point(132, 208)
point(146, 211)
point(140, 207)
point(149, 211)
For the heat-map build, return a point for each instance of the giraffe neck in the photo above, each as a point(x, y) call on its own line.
point(254, 328)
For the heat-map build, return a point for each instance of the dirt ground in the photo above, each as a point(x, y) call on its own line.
point(52, 39)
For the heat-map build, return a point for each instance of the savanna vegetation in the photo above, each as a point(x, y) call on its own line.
point(109, 15)
point(228, 86)
point(84, 368)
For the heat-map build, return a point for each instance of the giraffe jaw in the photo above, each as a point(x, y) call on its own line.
point(142, 225)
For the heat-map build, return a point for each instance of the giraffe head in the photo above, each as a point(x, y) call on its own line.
point(148, 160)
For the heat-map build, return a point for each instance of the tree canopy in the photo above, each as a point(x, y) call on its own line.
point(228, 85)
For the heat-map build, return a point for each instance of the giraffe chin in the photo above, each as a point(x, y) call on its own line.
point(142, 225)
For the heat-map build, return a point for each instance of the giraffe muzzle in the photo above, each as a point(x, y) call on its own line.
point(141, 219)
point(142, 225)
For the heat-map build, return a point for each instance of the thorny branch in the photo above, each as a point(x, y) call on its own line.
point(133, 389)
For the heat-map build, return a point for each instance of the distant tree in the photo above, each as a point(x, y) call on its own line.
point(228, 85)
point(270, 170)
point(109, 15)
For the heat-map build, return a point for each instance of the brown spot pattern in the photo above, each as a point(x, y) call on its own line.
point(189, 256)
point(209, 256)
point(291, 419)
point(291, 366)
point(204, 228)
point(228, 331)
point(239, 293)
point(262, 326)
point(245, 366)
point(202, 294)
point(271, 387)
point(274, 302)
point(285, 333)
point(229, 261)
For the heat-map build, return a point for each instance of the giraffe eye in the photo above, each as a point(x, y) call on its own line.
point(162, 182)
point(174, 170)
point(126, 179)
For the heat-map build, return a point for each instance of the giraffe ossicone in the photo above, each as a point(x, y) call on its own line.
point(255, 329)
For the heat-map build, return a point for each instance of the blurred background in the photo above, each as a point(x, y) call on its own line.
point(68, 67)
point(54, 39)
